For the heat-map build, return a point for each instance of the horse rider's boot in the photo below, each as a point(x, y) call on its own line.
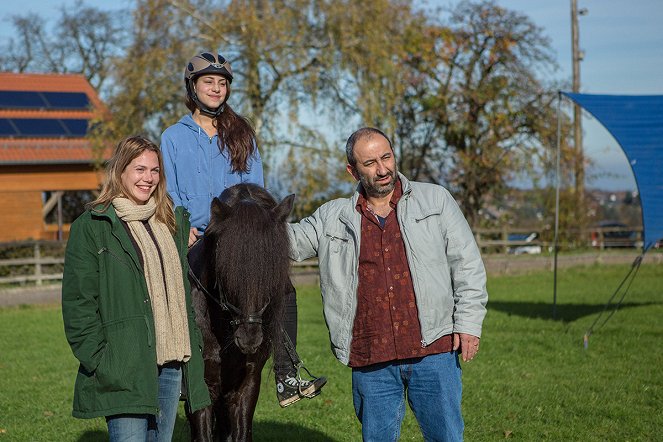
point(291, 387)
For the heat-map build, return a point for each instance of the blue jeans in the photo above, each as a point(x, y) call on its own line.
point(148, 427)
point(433, 388)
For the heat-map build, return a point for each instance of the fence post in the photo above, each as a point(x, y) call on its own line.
point(37, 250)
point(59, 236)
point(505, 239)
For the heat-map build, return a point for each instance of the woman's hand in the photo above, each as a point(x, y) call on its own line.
point(193, 236)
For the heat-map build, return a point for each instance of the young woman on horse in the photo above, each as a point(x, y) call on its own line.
point(207, 151)
point(126, 302)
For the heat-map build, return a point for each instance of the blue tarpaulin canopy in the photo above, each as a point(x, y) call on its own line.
point(636, 122)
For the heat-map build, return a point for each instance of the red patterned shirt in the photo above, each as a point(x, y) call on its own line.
point(386, 325)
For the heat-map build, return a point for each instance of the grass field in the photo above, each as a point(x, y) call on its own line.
point(532, 380)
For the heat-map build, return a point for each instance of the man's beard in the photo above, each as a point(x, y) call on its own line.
point(378, 190)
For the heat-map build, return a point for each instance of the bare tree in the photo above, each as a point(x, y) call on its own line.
point(31, 48)
point(90, 39)
point(81, 40)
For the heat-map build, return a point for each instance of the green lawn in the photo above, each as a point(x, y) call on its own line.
point(532, 379)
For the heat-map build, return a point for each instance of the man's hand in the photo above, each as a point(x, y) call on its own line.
point(193, 236)
point(468, 344)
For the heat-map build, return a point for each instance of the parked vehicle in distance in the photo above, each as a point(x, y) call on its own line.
point(613, 234)
point(522, 244)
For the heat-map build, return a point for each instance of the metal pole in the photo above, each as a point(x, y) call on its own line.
point(557, 185)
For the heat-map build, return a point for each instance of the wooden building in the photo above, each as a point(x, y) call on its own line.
point(44, 152)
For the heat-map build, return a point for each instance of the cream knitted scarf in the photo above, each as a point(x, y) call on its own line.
point(163, 274)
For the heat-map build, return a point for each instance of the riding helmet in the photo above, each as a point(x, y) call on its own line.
point(201, 64)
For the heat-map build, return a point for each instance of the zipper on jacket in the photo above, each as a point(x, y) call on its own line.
point(107, 250)
point(418, 220)
point(184, 239)
point(336, 237)
point(353, 283)
point(413, 270)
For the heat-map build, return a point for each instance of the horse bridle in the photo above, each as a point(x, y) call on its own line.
point(222, 301)
point(251, 318)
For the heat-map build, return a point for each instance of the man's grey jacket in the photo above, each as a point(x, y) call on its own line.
point(447, 272)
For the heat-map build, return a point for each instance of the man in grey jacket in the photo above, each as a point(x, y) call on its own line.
point(403, 289)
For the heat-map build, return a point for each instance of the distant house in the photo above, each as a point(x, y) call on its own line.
point(44, 119)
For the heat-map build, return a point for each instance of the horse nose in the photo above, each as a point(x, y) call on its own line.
point(248, 338)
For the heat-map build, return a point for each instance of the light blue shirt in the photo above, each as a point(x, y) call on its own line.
point(197, 171)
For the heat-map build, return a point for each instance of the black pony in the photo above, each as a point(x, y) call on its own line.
point(240, 277)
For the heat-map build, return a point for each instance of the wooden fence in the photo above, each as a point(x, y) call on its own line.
point(502, 240)
point(39, 263)
point(46, 259)
point(498, 240)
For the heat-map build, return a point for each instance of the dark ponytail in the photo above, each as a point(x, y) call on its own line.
point(235, 133)
point(237, 136)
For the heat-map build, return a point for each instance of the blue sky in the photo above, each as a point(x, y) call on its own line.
point(623, 45)
point(622, 41)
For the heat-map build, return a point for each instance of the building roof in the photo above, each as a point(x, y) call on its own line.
point(64, 101)
point(10, 81)
point(46, 151)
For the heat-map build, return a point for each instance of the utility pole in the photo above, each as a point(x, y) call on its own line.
point(579, 163)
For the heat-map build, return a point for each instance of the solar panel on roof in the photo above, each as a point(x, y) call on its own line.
point(36, 127)
point(67, 100)
point(21, 100)
point(43, 128)
point(7, 129)
point(76, 128)
point(44, 100)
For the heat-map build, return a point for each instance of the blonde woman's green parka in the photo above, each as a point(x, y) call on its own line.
point(109, 323)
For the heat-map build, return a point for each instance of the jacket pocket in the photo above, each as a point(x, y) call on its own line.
point(427, 239)
point(338, 261)
point(336, 258)
point(427, 214)
point(125, 354)
point(105, 251)
point(336, 243)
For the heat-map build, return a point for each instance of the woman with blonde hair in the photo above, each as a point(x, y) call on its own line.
point(126, 302)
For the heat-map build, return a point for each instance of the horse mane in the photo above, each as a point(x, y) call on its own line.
point(249, 251)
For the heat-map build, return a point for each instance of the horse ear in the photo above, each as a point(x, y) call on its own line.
point(220, 209)
point(280, 213)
